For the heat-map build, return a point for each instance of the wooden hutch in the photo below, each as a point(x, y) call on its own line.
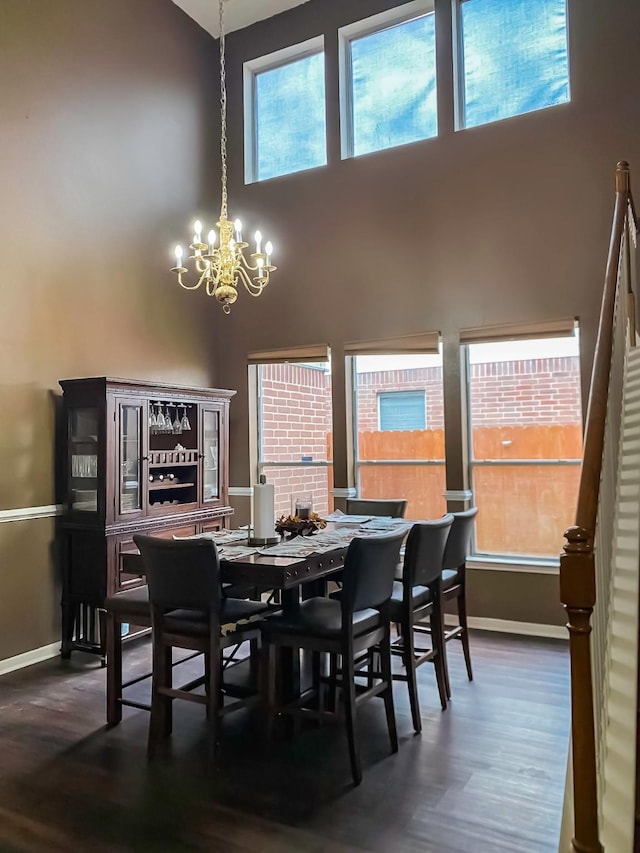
point(141, 457)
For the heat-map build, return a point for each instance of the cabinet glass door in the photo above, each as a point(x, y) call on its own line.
point(211, 457)
point(130, 457)
point(83, 471)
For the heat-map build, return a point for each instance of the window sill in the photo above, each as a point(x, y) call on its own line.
point(528, 565)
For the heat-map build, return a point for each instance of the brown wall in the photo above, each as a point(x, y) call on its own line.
point(103, 128)
point(502, 223)
point(104, 121)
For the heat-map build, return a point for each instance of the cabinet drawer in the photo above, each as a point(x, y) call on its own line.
point(187, 530)
point(211, 526)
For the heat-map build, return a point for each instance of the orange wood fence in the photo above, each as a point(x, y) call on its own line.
point(507, 495)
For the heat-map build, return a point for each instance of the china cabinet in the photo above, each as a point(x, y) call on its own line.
point(140, 457)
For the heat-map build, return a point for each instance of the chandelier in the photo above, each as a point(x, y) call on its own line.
point(220, 263)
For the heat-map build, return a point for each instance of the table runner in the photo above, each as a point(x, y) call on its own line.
point(232, 544)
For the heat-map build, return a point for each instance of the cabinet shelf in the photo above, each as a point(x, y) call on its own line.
point(161, 486)
point(172, 464)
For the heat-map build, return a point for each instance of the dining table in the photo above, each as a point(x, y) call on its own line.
point(293, 568)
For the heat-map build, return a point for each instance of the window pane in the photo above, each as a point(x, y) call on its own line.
point(515, 57)
point(290, 117)
point(422, 485)
point(525, 407)
point(524, 509)
point(295, 427)
point(402, 410)
point(393, 74)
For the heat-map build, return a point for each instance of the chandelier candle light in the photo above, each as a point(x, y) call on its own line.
point(221, 267)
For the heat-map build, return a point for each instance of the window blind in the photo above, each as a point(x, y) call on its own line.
point(424, 342)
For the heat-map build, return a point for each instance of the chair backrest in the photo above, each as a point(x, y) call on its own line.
point(424, 554)
point(183, 574)
point(369, 570)
point(459, 541)
point(361, 506)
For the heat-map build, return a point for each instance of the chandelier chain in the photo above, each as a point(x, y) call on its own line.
point(223, 115)
point(222, 268)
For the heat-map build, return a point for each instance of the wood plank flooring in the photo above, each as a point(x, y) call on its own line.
point(486, 776)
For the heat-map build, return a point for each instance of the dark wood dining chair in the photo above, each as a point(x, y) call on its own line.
point(414, 599)
point(344, 629)
point(395, 508)
point(454, 579)
point(188, 611)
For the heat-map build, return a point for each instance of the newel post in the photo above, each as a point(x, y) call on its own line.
point(578, 595)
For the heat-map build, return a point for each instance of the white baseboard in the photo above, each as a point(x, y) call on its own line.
point(508, 626)
point(29, 658)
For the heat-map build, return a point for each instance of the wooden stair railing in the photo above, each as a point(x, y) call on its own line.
point(585, 565)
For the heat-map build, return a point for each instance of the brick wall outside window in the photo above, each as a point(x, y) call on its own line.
point(540, 391)
point(544, 390)
point(370, 385)
point(295, 423)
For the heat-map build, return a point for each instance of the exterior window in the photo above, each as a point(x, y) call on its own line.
point(513, 56)
point(295, 449)
point(396, 455)
point(526, 443)
point(285, 126)
point(388, 79)
point(402, 410)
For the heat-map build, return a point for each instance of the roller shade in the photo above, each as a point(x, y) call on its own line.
point(425, 342)
point(315, 352)
point(518, 331)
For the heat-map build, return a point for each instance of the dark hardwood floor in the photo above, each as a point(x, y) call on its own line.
point(486, 776)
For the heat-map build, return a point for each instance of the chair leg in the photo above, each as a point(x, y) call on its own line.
point(268, 686)
point(409, 661)
point(385, 668)
point(213, 669)
point(440, 660)
point(332, 692)
point(102, 633)
point(349, 692)
point(69, 616)
point(462, 616)
point(160, 717)
point(447, 683)
point(254, 663)
point(114, 669)
point(371, 665)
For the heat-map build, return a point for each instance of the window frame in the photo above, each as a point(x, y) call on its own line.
point(459, 96)
point(498, 557)
point(307, 357)
point(250, 70)
point(358, 464)
point(359, 29)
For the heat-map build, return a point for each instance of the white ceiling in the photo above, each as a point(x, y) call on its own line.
point(237, 13)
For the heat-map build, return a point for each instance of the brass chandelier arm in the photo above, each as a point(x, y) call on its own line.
point(190, 286)
point(253, 287)
point(248, 266)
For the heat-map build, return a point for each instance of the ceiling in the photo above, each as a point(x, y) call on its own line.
point(237, 13)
